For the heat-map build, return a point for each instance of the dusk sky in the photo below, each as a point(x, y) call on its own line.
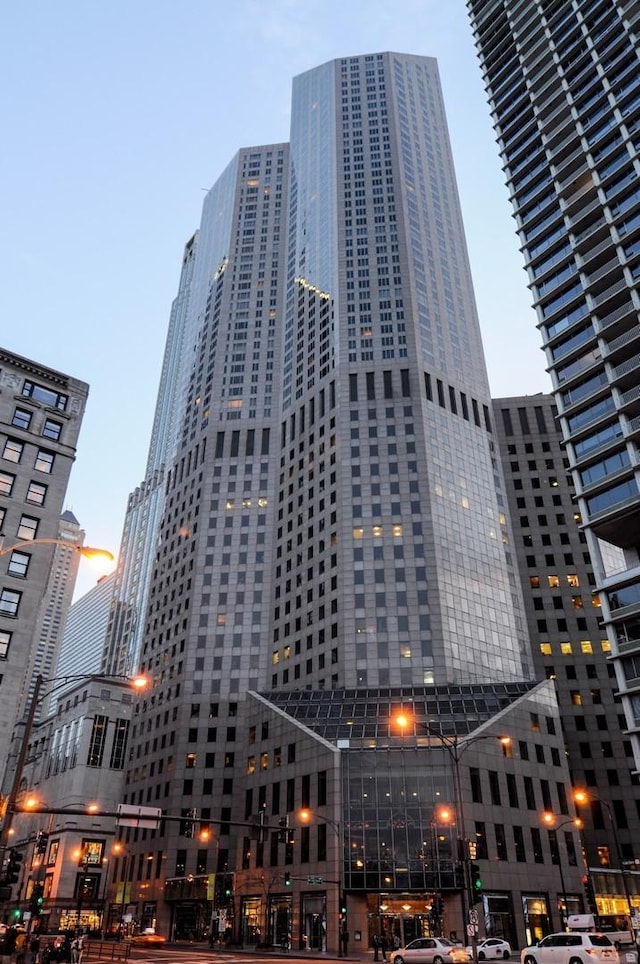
point(118, 116)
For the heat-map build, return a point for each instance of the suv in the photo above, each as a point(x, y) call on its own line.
point(567, 948)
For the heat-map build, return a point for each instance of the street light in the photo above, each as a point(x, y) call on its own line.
point(456, 745)
point(119, 851)
point(584, 797)
point(305, 816)
point(89, 552)
point(549, 820)
point(139, 682)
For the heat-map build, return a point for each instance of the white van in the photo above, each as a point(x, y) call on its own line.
point(617, 927)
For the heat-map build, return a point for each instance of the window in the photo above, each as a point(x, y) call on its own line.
point(6, 483)
point(44, 461)
point(5, 642)
point(45, 395)
point(12, 450)
point(36, 493)
point(21, 418)
point(9, 602)
point(18, 564)
point(28, 527)
point(52, 429)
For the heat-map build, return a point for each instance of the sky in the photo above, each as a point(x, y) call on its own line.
point(118, 116)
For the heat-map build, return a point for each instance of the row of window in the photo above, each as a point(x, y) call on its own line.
point(13, 450)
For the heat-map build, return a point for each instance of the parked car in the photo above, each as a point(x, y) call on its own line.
point(571, 948)
point(492, 948)
point(430, 950)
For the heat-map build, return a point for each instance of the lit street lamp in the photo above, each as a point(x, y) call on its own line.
point(456, 745)
point(87, 551)
point(549, 820)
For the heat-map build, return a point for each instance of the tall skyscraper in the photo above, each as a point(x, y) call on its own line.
point(40, 416)
point(563, 83)
point(332, 512)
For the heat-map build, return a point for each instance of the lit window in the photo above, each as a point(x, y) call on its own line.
point(573, 580)
point(605, 645)
point(286, 652)
point(586, 646)
point(565, 649)
point(12, 450)
point(5, 642)
point(554, 582)
point(264, 761)
point(6, 483)
point(358, 533)
point(275, 657)
point(221, 619)
point(44, 461)
point(595, 601)
point(576, 697)
point(534, 582)
point(377, 532)
point(545, 649)
point(603, 856)
point(251, 764)
point(397, 531)
point(190, 761)
point(36, 493)
point(229, 504)
point(28, 528)
point(576, 602)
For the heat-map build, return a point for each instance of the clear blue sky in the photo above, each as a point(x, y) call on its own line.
point(117, 115)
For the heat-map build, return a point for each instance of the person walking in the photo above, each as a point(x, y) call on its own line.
point(376, 947)
point(383, 946)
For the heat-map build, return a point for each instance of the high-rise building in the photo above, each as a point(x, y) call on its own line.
point(40, 416)
point(569, 643)
point(57, 598)
point(85, 633)
point(332, 518)
point(563, 84)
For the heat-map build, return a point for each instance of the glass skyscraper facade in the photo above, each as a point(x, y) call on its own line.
point(563, 83)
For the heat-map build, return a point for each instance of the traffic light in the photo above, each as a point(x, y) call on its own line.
point(14, 866)
point(42, 838)
point(283, 832)
point(460, 876)
point(36, 900)
point(476, 883)
point(437, 906)
point(287, 879)
point(228, 885)
point(343, 907)
point(590, 894)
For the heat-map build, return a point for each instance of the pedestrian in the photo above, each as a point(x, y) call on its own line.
point(34, 949)
point(344, 942)
point(21, 947)
point(383, 946)
point(376, 947)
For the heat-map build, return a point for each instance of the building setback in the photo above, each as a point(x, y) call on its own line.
point(40, 416)
point(563, 83)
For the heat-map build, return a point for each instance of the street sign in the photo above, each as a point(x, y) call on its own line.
point(471, 929)
point(473, 916)
point(146, 818)
point(313, 879)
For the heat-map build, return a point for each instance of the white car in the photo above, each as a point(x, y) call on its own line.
point(492, 948)
point(430, 950)
point(571, 948)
